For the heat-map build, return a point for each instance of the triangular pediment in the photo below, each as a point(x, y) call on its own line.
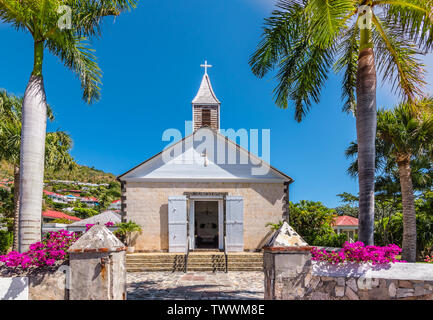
point(206, 155)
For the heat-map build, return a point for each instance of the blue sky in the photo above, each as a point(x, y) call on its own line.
point(151, 63)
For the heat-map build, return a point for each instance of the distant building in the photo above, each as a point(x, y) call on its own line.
point(115, 205)
point(57, 198)
point(347, 225)
point(90, 201)
point(50, 215)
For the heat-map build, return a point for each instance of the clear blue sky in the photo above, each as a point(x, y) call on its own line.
point(151, 62)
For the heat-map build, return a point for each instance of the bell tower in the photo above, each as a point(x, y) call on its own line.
point(206, 106)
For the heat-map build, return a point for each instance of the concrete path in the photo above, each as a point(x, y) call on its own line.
point(195, 285)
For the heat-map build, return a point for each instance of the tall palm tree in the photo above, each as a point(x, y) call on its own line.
point(57, 147)
point(404, 139)
point(45, 20)
point(304, 39)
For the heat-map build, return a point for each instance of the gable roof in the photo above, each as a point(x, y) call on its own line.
point(205, 94)
point(276, 176)
point(102, 219)
point(58, 215)
point(345, 221)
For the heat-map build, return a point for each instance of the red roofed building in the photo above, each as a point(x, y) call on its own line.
point(115, 205)
point(346, 224)
point(49, 215)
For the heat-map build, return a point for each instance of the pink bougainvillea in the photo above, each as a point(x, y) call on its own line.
point(358, 252)
point(52, 248)
point(429, 259)
point(108, 224)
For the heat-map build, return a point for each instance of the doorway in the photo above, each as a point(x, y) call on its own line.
point(206, 224)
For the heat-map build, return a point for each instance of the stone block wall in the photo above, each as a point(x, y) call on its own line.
point(295, 277)
point(147, 205)
point(40, 285)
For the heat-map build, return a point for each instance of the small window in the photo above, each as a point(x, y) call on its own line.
point(205, 117)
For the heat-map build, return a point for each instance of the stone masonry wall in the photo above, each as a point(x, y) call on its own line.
point(309, 280)
point(147, 204)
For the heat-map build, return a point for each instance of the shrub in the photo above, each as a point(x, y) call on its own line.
point(358, 252)
point(125, 230)
point(6, 238)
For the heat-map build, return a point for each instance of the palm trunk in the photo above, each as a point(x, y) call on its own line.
point(409, 215)
point(366, 134)
point(34, 121)
point(15, 244)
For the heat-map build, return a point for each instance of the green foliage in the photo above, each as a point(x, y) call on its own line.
point(84, 213)
point(274, 226)
point(6, 238)
point(125, 229)
point(304, 40)
point(313, 221)
point(62, 221)
point(6, 202)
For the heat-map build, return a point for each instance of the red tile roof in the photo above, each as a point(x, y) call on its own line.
point(116, 201)
point(58, 215)
point(345, 221)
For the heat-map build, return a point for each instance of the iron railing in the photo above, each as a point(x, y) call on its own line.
point(187, 254)
point(225, 254)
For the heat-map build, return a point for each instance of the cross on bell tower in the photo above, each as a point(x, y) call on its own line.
point(205, 66)
point(206, 106)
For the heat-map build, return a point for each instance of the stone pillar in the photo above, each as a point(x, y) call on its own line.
point(97, 266)
point(285, 270)
point(287, 262)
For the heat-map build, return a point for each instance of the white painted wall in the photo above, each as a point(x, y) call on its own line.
point(16, 288)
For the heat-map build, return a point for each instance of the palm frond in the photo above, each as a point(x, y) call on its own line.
point(328, 17)
point(348, 50)
point(415, 18)
point(88, 15)
point(77, 55)
point(397, 60)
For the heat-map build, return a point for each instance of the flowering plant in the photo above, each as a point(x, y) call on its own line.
point(358, 252)
point(429, 259)
point(52, 248)
point(108, 224)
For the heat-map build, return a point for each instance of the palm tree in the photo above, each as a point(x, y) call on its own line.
point(45, 21)
point(304, 39)
point(57, 147)
point(404, 140)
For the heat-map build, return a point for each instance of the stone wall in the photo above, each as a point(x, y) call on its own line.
point(295, 277)
point(40, 285)
point(147, 204)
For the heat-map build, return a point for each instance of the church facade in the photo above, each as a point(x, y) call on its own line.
point(204, 191)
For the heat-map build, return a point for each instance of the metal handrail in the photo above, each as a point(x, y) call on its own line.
point(187, 254)
point(225, 253)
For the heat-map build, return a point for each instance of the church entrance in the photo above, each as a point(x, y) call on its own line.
point(206, 224)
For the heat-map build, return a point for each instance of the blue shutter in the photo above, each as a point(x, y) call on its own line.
point(177, 224)
point(235, 223)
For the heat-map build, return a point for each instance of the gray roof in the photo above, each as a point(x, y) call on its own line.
point(97, 238)
point(103, 218)
point(205, 94)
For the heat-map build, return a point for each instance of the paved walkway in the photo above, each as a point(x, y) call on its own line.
point(195, 285)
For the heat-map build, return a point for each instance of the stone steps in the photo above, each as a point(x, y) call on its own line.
point(197, 261)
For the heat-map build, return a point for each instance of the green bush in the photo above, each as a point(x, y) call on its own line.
point(6, 239)
point(313, 221)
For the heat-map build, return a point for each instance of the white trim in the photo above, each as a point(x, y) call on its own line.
point(202, 180)
point(221, 224)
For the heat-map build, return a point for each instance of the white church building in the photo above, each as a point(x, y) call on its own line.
point(204, 191)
